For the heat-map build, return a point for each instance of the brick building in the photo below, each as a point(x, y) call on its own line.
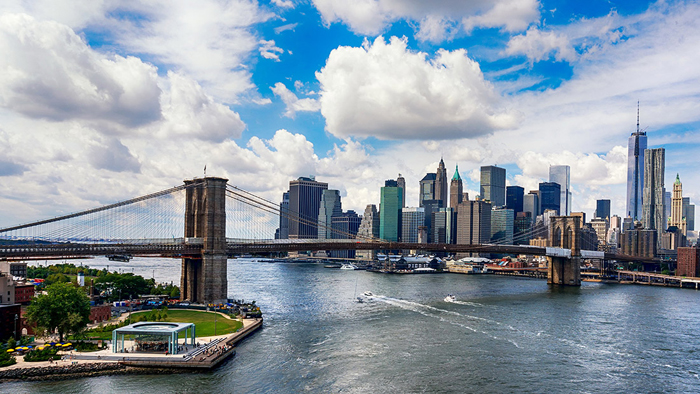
point(24, 293)
point(9, 321)
point(688, 259)
point(100, 313)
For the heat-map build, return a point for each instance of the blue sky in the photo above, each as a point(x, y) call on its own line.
point(106, 100)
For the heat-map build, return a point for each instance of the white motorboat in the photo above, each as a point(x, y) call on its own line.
point(450, 298)
point(348, 267)
point(368, 294)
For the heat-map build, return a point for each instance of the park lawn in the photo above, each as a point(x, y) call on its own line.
point(203, 322)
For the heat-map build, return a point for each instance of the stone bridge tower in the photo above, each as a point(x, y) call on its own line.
point(565, 233)
point(203, 279)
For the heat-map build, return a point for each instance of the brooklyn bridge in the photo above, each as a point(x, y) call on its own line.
point(204, 221)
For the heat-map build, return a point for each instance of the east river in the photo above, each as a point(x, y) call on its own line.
point(503, 334)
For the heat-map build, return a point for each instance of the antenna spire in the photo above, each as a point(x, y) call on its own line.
point(637, 116)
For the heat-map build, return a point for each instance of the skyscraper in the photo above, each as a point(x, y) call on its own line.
point(653, 210)
point(411, 219)
point(531, 203)
point(677, 218)
point(502, 220)
point(304, 203)
point(550, 196)
point(689, 213)
point(441, 183)
point(667, 206)
point(345, 226)
point(455, 189)
point(602, 209)
point(284, 219)
point(562, 176)
point(330, 207)
point(473, 222)
point(369, 229)
point(636, 146)
point(493, 185)
point(401, 182)
point(427, 188)
point(444, 226)
point(390, 212)
point(514, 198)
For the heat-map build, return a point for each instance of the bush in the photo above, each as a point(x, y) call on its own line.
point(41, 355)
point(6, 359)
point(85, 346)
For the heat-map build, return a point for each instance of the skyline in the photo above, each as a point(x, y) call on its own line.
point(114, 100)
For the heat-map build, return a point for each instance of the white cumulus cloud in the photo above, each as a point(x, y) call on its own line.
point(269, 50)
point(294, 104)
point(387, 91)
point(539, 45)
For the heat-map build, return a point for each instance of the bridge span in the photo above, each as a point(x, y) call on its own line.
point(202, 209)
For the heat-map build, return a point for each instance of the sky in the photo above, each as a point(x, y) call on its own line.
point(102, 101)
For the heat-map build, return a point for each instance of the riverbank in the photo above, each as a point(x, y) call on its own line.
point(76, 371)
point(74, 366)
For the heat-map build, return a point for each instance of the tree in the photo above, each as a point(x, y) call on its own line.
point(65, 308)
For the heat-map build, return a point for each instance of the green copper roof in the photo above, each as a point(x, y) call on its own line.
point(678, 179)
point(456, 177)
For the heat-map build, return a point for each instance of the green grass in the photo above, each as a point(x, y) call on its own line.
point(203, 323)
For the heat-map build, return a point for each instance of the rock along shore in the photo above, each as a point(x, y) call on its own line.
point(75, 371)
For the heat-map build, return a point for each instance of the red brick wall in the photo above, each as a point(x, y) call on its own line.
point(100, 313)
point(24, 294)
point(688, 262)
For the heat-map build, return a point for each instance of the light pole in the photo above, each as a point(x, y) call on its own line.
point(16, 318)
point(215, 320)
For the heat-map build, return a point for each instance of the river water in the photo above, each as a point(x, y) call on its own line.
point(503, 334)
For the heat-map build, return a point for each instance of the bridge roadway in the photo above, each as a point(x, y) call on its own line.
point(190, 247)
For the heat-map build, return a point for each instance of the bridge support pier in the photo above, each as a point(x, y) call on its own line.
point(203, 279)
point(564, 271)
point(565, 232)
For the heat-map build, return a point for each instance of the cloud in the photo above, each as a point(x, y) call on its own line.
point(436, 19)
point(537, 45)
point(189, 111)
point(209, 40)
point(293, 103)
point(288, 26)
point(586, 168)
point(389, 92)
point(268, 50)
point(283, 3)
point(9, 168)
point(112, 155)
point(48, 71)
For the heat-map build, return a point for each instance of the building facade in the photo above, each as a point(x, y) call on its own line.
point(636, 146)
point(444, 226)
point(602, 209)
point(401, 182)
point(502, 220)
point(677, 219)
point(441, 184)
point(456, 189)
point(688, 262)
point(473, 222)
point(368, 229)
point(411, 220)
point(493, 185)
point(531, 203)
point(562, 176)
point(345, 226)
point(390, 212)
point(330, 208)
point(653, 204)
point(284, 216)
point(514, 198)
point(550, 196)
point(427, 188)
point(304, 204)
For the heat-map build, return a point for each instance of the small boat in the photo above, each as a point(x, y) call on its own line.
point(450, 298)
point(119, 257)
point(360, 300)
point(368, 294)
point(348, 267)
